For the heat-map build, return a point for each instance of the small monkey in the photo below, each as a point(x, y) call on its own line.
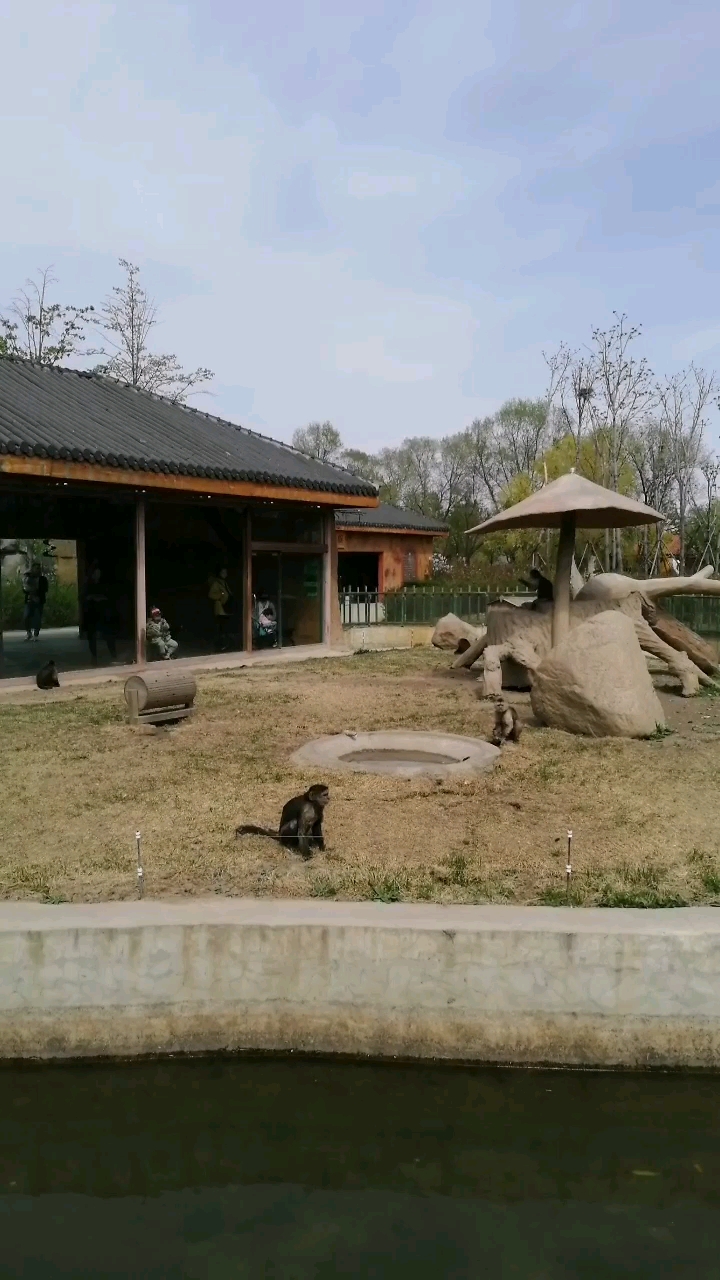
point(300, 822)
point(507, 725)
point(47, 676)
point(541, 585)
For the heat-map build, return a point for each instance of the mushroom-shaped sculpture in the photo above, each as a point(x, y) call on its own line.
point(568, 503)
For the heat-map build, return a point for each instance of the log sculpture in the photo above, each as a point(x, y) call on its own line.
point(452, 633)
point(162, 695)
point(518, 639)
point(613, 586)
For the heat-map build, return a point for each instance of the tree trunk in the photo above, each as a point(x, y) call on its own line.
point(681, 529)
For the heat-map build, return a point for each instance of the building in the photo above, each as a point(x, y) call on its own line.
point(157, 501)
point(383, 548)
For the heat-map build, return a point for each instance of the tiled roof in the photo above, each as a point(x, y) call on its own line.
point(387, 517)
point(63, 413)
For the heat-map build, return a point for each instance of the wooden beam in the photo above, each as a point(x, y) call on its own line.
point(293, 548)
point(140, 587)
point(247, 585)
point(93, 473)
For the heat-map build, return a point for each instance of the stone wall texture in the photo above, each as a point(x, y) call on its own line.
point(528, 985)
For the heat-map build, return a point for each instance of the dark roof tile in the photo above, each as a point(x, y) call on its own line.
point(387, 517)
point(68, 413)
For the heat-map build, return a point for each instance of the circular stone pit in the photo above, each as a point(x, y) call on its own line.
point(400, 753)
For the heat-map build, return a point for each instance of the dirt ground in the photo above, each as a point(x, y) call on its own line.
point(77, 782)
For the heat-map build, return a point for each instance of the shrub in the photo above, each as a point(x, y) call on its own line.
point(61, 605)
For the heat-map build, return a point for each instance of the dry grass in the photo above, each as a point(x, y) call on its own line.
point(78, 781)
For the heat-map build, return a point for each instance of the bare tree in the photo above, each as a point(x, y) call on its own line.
point(43, 331)
point(128, 317)
point(623, 396)
point(649, 451)
point(484, 480)
point(319, 440)
point(572, 384)
point(710, 469)
point(522, 436)
point(683, 399)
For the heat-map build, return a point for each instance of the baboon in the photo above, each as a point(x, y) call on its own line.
point(47, 676)
point(300, 822)
point(507, 725)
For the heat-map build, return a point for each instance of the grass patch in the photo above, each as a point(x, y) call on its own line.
point(78, 782)
point(556, 896)
point(614, 897)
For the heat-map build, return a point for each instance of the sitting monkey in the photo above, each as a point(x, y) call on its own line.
point(300, 822)
point(47, 676)
point(507, 724)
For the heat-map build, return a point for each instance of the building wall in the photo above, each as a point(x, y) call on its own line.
point(393, 548)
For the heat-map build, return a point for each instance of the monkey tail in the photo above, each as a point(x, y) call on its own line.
point(249, 829)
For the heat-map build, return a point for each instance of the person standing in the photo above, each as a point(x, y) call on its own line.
point(98, 614)
point(220, 595)
point(35, 588)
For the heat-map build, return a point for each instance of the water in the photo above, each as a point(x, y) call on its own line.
point(397, 755)
point(295, 1169)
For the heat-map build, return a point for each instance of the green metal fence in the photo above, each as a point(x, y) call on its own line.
point(417, 605)
point(423, 605)
point(700, 613)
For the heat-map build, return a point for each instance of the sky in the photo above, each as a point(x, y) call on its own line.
point(378, 213)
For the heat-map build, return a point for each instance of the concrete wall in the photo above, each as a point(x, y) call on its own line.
point(385, 636)
point(496, 984)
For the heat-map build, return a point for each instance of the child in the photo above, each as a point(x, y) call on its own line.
point(158, 635)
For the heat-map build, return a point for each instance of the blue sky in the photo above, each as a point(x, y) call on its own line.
point(377, 213)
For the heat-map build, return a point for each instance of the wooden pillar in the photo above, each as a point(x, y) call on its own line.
point(247, 583)
point(140, 590)
point(561, 588)
point(332, 621)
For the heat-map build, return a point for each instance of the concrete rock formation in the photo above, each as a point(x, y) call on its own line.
point(521, 638)
point(596, 682)
point(615, 586)
point(451, 630)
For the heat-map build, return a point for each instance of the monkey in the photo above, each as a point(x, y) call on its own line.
point(541, 585)
point(300, 822)
point(507, 725)
point(47, 676)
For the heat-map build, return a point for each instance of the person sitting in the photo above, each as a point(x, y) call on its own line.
point(264, 621)
point(158, 635)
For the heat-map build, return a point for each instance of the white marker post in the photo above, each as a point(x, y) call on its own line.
point(140, 876)
point(568, 867)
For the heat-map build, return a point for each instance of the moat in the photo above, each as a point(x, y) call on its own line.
point(300, 1168)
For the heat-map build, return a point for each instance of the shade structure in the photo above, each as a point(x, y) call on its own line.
point(566, 504)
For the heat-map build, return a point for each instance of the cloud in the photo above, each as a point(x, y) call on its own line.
point(364, 186)
point(369, 357)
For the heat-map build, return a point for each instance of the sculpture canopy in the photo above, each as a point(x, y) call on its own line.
point(566, 504)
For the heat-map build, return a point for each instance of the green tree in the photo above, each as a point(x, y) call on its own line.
point(43, 331)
